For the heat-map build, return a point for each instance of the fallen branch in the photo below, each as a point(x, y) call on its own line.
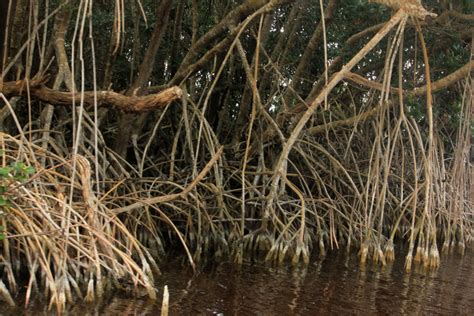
point(103, 98)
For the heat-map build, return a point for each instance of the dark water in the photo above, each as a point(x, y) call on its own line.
point(336, 285)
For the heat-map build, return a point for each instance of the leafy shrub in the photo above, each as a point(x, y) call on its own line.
point(10, 177)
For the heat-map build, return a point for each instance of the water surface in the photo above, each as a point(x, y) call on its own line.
point(335, 285)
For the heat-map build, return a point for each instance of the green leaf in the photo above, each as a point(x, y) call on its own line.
point(4, 172)
point(21, 178)
point(29, 170)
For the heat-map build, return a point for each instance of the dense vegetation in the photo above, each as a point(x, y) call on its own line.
point(228, 128)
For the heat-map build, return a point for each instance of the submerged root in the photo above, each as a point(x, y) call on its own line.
point(322, 248)
point(363, 252)
point(238, 253)
point(461, 247)
point(222, 247)
point(283, 252)
point(379, 256)
point(151, 291)
point(418, 254)
point(264, 242)
point(58, 299)
point(389, 252)
point(434, 256)
point(258, 242)
point(408, 261)
point(301, 252)
point(10, 276)
point(90, 296)
point(75, 287)
point(425, 257)
point(5, 294)
point(445, 248)
point(272, 254)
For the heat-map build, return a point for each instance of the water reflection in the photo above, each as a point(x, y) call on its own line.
point(336, 284)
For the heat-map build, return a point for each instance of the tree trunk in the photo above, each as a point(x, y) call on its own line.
point(304, 65)
point(7, 14)
point(125, 131)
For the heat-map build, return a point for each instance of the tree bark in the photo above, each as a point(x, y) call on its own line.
point(3, 28)
point(119, 101)
point(278, 54)
point(227, 24)
point(304, 64)
point(246, 100)
point(122, 140)
point(7, 16)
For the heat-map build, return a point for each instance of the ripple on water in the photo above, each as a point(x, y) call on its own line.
point(336, 285)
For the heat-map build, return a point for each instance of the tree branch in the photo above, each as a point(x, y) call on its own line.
point(104, 98)
point(227, 27)
point(435, 86)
